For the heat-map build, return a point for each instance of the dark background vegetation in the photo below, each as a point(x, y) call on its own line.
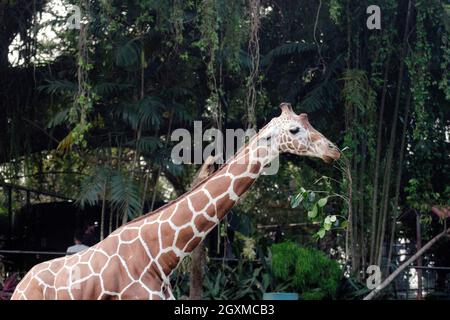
point(88, 114)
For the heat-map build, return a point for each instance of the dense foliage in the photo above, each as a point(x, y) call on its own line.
point(308, 271)
point(88, 113)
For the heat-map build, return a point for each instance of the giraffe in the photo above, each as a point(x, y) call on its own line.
point(137, 259)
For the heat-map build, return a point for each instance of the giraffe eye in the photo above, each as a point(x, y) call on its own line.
point(295, 130)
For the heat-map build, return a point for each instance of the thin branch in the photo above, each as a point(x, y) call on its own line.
point(419, 253)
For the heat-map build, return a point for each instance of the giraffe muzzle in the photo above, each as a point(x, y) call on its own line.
point(332, 155)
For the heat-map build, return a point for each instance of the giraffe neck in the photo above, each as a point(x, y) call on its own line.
point(185, 223)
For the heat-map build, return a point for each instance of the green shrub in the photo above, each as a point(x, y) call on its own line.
point(309, 271)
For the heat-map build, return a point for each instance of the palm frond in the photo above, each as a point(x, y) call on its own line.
point(322, 94)
point(146, 144)
point(162, 159)
point(58, 118)
point(92, 187)
point(128, 113)
point(127, 54)
point(58, 87)
point(125, 195)
point(146, 112)
point(181, 113)
point(107, 88)
point(286, 49)
point(356, 89)
point(318, 97)
point(149, 111)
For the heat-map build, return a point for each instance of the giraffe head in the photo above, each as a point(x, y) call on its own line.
point(296, 135)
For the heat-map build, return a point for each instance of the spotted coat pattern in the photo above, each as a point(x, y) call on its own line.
point(136, 260)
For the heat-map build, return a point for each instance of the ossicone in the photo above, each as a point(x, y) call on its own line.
point(286, 107)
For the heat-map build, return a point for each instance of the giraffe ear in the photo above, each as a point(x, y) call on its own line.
point(286, 107)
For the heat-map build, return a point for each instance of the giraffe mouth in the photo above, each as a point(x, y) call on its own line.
point(327, 159)
point(330, 158)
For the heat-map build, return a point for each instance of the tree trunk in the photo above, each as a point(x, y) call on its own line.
point(398, 183)
point(102, 218)
point(196, 276)
point(110, 221)
point(377, 163)
point(158, 171)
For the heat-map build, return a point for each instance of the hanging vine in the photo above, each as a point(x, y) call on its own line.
point(84, 97)
point(209, 46)
point(253, 51)
point(418, 66)
point(444, 83)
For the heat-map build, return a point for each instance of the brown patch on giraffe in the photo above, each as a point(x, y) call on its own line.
point(224, 205)
point(110, 245)
point(184, 235)
point(34, 291)
point(49, 293)
point(237, 169)
point(254, 168)
point(168, 261)
point(90, 288)
point(80, 270)
point(149, 235)
point(183, 214)
point(216, 186)
point(135, 257)
point(211, 210)
point(108, 296)
point(46, 276)
point(202, 223)
point(152, 278)
point(72, 260)
point(314, 136)
point(155, 297)
point(135, 292)
point(62, 294)
point(85, 256)
point(166, 294)
point(98, 261)
point(150, 231)
point(115, 275)
point(166, 213)
point(199, 200)
point(193, 244)
point(261, 152)
point(167, 235)
point(62, 278)
point(129, 234)
point(240, 185)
